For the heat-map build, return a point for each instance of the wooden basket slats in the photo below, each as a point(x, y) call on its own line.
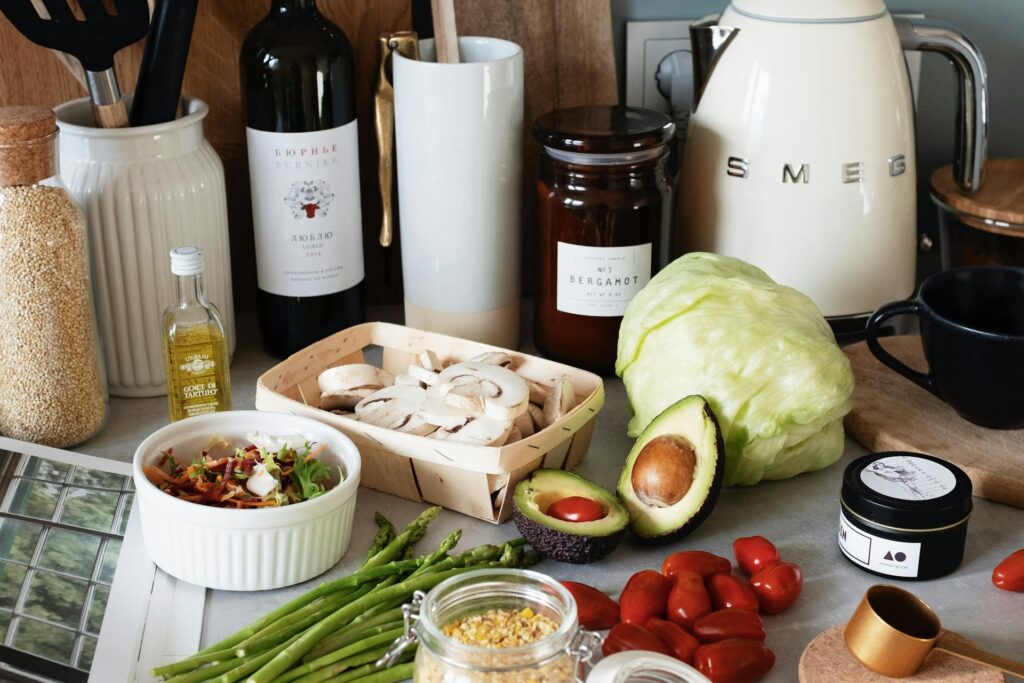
point(474, 480)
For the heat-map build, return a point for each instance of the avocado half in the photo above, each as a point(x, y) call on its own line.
point(673, 474)
point(575, 542)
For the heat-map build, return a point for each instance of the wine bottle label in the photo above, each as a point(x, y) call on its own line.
point(306, 214)
point(600, 281)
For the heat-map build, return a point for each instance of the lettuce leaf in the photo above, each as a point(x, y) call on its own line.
point(760, 353)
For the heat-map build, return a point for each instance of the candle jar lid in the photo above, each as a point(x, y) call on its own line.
point(603, 129)
point(906, 491)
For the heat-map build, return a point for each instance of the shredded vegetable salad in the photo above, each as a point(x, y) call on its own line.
point(250, 477)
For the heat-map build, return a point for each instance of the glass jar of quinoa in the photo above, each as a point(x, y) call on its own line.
point(52, 389)
point(499, 626)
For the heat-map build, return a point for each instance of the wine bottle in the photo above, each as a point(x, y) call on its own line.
point(297, 80)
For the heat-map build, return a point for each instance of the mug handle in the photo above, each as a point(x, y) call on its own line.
point(910, 307)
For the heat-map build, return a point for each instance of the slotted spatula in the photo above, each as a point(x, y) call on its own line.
point(93, 41)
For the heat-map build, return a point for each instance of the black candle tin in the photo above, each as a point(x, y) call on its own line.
point(904, 515)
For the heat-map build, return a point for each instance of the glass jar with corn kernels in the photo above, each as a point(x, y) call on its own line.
point(498, 626)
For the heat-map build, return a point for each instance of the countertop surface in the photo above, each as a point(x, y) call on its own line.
point(800, 515)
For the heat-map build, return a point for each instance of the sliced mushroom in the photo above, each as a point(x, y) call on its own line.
point(494, 358)
point(435, 411)
point(538, 392)
point(396, 407)
point(536, 414)
point(428, 360)
point(467, 397)
point(561, 400)
point(524, 423)
point(346, 385)
point(423, 375)
point(407, 380)
point(481, 431)
point(504, 393)
point(514, 435)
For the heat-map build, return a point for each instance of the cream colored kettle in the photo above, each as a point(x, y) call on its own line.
point(800, 156)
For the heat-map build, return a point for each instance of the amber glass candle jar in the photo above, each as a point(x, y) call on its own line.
point(602, 209)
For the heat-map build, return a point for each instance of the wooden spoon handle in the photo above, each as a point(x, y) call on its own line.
point(976, 654)
point(111, 115)
point(446, 37)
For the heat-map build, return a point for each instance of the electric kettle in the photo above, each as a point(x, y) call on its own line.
point(799, 156)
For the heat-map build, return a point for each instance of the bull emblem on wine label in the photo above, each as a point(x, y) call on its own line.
point(308, 198)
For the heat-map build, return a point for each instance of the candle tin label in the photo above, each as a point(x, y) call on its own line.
point(893, 558)
point(600, 281)
point(908, 478)
point(306, 211)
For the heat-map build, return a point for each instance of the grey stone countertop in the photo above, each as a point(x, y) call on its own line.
point(800, 515)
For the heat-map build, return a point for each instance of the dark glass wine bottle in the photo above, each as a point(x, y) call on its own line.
point(297, 80)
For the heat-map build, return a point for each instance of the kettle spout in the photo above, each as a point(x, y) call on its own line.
point(709, 40)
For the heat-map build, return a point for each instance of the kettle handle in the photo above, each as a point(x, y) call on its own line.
point(972, 74)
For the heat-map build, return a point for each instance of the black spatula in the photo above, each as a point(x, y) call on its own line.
point(93, 41)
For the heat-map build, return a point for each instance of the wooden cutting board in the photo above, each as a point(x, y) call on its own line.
point(891, 413)
point(827, 660)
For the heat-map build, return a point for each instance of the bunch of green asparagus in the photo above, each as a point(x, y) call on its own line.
point(336, 632)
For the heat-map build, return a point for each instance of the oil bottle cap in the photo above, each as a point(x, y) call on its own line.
point(187, 261)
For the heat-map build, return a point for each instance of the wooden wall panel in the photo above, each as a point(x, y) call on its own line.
point(568, 60)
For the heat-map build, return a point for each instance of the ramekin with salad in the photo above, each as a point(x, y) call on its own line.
point(269, 471)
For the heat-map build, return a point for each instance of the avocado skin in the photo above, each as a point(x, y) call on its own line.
point(566, 547)
point(567, 541)
point(710, 500)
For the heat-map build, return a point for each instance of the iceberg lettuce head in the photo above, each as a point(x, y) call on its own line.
point(760, 353)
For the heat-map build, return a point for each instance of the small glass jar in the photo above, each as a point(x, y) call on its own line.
point(602, 212)
point(52, 388)
point(556, 658)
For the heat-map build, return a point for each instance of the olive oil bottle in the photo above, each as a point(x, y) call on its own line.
point(195, 346)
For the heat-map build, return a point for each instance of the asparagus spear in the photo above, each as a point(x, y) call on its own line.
point(325, 662)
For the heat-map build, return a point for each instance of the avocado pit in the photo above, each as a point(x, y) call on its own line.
point(664, 470)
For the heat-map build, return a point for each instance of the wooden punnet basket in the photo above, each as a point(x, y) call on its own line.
point(475, 480)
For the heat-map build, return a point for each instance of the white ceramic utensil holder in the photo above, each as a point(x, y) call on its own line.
point(145, 191)
point(459, 144)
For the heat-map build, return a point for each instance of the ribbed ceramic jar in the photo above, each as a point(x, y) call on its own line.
point(145, 191)
point(246, 549)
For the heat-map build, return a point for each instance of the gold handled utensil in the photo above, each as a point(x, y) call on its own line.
point(406, 44)
point(893, 632)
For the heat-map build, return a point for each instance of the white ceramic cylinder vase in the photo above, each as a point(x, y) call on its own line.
point(459, 149)
point(145, 191)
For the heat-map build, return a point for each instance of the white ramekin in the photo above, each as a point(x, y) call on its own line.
point(254, 549)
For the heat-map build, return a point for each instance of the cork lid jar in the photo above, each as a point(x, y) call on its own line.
point(984, 227)
point(52, 389)
point(28, 145)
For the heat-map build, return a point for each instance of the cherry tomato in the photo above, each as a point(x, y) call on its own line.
point(625, 637)
point(688, 600)
point(576, 509)
point(644, 596)
point(754, 553)
point(777, 586)
point(1009, 574)
point(729, 623)
point(678, 640)
point(732, 592)
point(734, 661)
point(595, 609)
point(704, 563)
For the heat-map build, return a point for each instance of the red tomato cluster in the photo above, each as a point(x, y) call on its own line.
point(1009, 574)
point(697, 611)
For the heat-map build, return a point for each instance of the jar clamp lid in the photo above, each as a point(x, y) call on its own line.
point(908, 491)
point(603, 129)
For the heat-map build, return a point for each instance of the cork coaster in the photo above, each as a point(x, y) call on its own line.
point(826, 660)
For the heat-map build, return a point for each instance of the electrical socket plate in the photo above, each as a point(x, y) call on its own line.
point(649, 42)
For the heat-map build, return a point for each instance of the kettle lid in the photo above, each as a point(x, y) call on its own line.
point(811, 11)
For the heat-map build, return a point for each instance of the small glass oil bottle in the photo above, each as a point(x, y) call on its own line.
point(195, 346)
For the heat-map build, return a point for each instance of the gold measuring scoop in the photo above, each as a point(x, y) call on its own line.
point(893, 631)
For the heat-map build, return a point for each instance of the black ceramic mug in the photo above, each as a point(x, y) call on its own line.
point(972, 332)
